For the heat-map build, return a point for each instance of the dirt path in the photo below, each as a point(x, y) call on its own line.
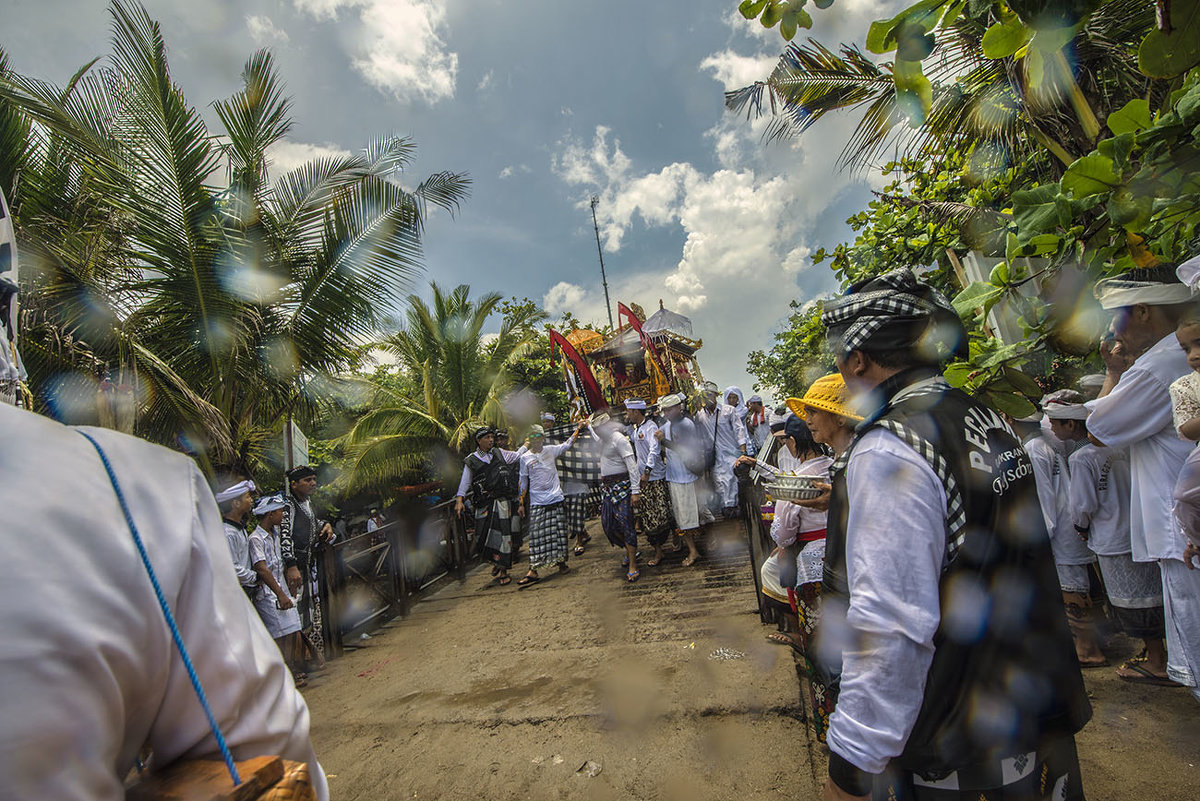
point(490, 692)
point(494, 693)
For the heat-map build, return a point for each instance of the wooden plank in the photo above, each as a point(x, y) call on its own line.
point(208, 780)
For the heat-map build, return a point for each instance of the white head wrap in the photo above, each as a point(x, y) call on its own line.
point(1091, 381)
point(547, 417)
point(635, 403)
point(1118, 291)
point(236, 491)
point(667, 401)
point(1189, 272)
point(269, 503)
point(1065, 404)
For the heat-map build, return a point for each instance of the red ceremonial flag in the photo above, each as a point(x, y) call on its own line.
point(591, 388)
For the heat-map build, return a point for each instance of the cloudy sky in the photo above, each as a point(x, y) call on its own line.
point(544, 104)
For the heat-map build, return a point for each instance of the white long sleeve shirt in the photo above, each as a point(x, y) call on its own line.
point(1053, 481)
point(89, 672)
point(1137, 415)
point(239, 552)
point(792, 519)
point(682, 433)
point(1100, 496)
point(464, 483)
point(647, 449)
point(539, 476)
point(731, 431)
point(895, 550)
point(616, 457)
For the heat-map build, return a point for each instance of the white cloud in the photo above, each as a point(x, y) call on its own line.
point(513, 169)
point(398, 47)
point(485, 81)
point(563, 297)
point(263, 31)
point(735, 71)
point(748, 228)
point(286, 155)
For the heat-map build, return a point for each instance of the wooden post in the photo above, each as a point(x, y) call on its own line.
point(399, 561)
point(330, 586)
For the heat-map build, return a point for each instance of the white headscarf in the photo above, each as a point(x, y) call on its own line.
point(740, 407)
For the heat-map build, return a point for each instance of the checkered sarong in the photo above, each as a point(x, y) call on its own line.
point(547, 535)
point(575, 507)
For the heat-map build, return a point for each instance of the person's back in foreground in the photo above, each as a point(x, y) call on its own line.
point(89, 673)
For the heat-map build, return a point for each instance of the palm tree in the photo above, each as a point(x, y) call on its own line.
point(976, 101)
point(459, 376)
point(218, 305)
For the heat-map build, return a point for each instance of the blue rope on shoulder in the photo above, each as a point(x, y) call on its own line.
point(166, 610)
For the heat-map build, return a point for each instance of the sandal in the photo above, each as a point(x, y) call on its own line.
point(495, 571)
point(691, 560)
point(505, 581)
point(525, 582)
point(632, 575)
point(1144, 676)
point(579, 549)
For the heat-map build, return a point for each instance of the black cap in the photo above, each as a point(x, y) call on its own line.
point(303, 471)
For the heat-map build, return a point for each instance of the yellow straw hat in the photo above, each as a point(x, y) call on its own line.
point(828, 393)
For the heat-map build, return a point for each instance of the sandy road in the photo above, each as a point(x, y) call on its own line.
point(486, 692)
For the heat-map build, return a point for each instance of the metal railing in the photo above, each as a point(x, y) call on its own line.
point(368, 579)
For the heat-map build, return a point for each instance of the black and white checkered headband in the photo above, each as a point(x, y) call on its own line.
point(893, 298)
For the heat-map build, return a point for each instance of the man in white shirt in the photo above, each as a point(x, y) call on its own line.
point(1134, 412)
point(678, 438)
point(758, 424)
point(235, 502)
point(730, 444)
point(1072, 558)
point(934, 508)
point(492, 476)
point(620, 492)
point(654, 511)
point(705, 420)
point(538, 478)
point(1100, 496)
point(89, 671)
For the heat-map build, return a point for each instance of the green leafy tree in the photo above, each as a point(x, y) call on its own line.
point(797, 357)
point(535, 371)
point(215, 311)
point(459, 379)
point(1021, 93)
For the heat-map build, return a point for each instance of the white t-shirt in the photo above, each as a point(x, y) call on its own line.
point(1054, 493)
point(1137, 415)
point(1100, 497)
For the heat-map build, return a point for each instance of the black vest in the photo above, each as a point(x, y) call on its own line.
point(494, 480)
point(1004, 673)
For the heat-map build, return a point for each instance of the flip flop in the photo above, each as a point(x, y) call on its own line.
point(1145, 676)
point(632, 576)
point(505, 581)
point(579, 549)
point(525, 582)
point(688, 562)
point(495, 571)
point(585, 539)
point(653, 562)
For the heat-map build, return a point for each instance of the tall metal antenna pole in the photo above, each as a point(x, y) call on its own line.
point(603, 277)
